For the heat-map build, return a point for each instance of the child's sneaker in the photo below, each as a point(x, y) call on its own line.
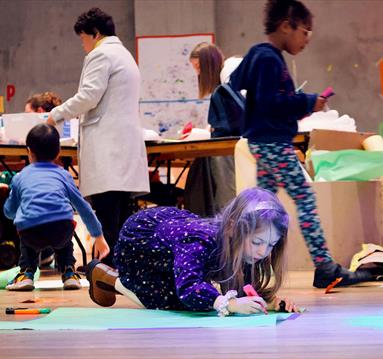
point(71, 279)
point(22, 282)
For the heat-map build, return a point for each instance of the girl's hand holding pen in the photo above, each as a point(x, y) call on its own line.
point(247, 305)
point(319, 104)
point(251, 292)
point(321, 101)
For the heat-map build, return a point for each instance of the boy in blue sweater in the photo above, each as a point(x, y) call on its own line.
point(40, 204)
point(273, 108)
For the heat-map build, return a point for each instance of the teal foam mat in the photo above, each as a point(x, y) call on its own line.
point(110, 318)
point(374, 322)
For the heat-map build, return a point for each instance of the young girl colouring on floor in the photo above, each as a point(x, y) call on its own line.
point(169, 258)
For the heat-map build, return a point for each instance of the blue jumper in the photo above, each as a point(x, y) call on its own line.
point(272, 105)
point(44, 192)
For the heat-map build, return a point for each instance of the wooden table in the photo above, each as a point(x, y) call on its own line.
point(223, 146)
point(9, 153)
point(167, 153)
point(181, 150)
point(158, 152)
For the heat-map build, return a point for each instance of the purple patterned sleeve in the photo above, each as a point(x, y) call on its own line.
point(190, 257)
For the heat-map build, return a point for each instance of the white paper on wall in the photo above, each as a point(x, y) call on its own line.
point(169, 87)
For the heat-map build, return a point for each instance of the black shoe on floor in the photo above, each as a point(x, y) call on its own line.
point(326, 273)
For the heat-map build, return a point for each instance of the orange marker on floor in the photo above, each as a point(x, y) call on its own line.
point(332, 285)
point(27, 310)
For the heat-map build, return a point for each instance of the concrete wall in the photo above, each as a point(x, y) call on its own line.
point(39, 50)
point(172, 17)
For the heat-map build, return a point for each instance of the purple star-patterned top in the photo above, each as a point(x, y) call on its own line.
point(164, 255)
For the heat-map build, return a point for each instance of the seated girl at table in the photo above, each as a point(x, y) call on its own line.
point(42, 102)
point(172, 259)
point(210, 184)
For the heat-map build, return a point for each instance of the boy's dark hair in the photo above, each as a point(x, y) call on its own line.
point(295, 12)
point(44, 141)
point(95, 20)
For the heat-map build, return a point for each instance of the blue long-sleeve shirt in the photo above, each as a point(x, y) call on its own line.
point(44, 192)
point(272, 105)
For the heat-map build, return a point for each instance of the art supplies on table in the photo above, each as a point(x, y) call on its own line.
point(17, 125)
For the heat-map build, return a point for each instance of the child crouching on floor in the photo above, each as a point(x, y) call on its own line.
point(40, 204)
point(169, 258)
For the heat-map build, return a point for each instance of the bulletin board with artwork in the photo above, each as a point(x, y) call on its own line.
point(169, 87)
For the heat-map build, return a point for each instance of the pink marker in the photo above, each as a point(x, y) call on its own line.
point(251, 292)
point(327, 93)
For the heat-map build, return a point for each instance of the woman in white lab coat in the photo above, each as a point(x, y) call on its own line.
point(113, 162)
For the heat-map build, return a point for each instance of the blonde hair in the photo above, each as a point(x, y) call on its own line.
point(46, 100)
point(210, 59)
point(239, 220)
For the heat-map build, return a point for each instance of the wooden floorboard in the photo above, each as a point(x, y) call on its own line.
point(322, 331)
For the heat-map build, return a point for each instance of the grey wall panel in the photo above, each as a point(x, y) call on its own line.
point(39, 50)
point(174, 17)
point(238, 25)
point(345, 48)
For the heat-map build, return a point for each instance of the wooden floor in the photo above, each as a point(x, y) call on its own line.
point(321, 332)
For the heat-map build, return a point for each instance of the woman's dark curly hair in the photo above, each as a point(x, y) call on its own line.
point(95, 20)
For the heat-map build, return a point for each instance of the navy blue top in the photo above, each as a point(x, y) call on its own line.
point(272, 105)
point(43, 192)
point(164, 256)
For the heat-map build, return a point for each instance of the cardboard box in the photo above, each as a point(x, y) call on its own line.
point(330, 140)
point(351, 213)
point(337, 140)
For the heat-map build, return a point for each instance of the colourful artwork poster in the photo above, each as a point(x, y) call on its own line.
point(169, 87)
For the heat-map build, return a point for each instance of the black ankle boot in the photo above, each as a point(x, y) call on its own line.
point(326, 273)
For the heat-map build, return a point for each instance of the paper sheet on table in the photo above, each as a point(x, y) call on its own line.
point(327, 120)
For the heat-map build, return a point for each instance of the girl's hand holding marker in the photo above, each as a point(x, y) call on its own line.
point(280, 305)
point(251, 292)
